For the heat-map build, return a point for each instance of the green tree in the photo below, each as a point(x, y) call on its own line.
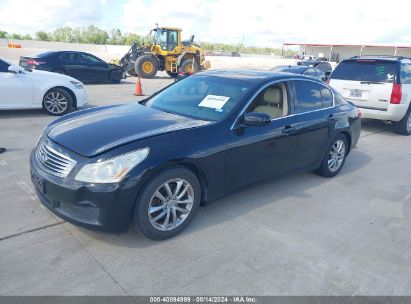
point(66, 34)
point(16, 36)
point(43, 36)
point(3, 34)
point(244, 49)
point(130, 38)
point(116, 37)
point(27, 37)
point(94, 35)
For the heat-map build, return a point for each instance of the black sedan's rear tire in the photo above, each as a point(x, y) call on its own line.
point(59, 71)
point(167, 204)
point(335, 156)
point(57, 102)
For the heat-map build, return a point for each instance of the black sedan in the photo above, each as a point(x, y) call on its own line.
point(153, 163)
point(323, 66)
point(82, 66)
point(301, 70)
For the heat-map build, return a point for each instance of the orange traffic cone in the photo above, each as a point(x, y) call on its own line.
point(139, 91)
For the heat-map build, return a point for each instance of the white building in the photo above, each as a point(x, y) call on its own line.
point(336, 52)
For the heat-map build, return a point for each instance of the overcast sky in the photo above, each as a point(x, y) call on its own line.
point(258, 22)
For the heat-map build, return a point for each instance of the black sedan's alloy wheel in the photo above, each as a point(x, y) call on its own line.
point(335, 156)
point(168, 203)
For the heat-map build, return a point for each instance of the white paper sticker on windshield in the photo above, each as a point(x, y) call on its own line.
point(214, 102)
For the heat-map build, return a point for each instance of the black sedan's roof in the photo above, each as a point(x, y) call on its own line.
point(53, 54)
point(297, 69)
point(254, 76)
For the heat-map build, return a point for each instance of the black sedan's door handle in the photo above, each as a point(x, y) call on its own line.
point(289, 130)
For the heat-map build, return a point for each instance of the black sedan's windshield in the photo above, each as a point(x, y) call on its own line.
point(202, 97)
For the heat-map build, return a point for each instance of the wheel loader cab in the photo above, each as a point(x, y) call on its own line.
point(168, 39)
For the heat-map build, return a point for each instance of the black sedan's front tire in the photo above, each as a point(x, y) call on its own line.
point(335, 156)
point(115, 77)
point(167, 204)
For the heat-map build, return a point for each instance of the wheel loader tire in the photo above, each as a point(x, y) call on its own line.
point(187, 66)
point(146, 66)
point(132, 72)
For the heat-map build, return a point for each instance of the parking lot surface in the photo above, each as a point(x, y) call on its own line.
point(302, 235)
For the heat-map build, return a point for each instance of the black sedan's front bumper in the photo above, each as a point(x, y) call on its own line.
point(101, 207)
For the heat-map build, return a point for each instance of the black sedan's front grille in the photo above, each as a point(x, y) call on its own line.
point(52, 161)
point(86, 214)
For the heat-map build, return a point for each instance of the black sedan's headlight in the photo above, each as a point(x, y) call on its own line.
point(112, 170)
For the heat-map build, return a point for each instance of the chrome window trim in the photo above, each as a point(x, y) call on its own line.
point(291, 115)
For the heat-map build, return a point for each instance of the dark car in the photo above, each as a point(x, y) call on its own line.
point(321, 65)
point(154, 162)
point(302, 70)
point(82, 66)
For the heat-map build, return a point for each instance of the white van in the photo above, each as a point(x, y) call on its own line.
point(379, 86)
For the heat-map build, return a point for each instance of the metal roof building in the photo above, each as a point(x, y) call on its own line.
point(336, 52)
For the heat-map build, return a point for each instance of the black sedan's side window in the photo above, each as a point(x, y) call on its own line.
point(70, 58)
point(91, 59)
point(272, 101)
point(307, 96)
point(4, 67)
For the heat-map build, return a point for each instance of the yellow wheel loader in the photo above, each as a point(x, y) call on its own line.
point(165, 52)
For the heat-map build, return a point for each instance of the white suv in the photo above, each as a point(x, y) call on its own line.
point(379, 85)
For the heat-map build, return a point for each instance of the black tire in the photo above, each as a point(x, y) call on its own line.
point(140, 66)
point(115, 76)
point(403, 126)
point(57, 92)
point(324, 168)
point(187, 66)
point(58, 71)
point(172, 75)
point(141, 210)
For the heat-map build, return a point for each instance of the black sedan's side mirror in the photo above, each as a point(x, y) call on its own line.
point(257, 119)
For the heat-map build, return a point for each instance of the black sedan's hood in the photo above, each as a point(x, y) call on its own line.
point(97, 130)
